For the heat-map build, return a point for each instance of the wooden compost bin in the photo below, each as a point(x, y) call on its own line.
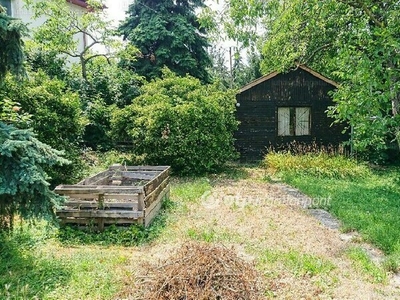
point(119, 195)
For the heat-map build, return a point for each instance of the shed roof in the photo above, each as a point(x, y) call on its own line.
point(275, 73)
point(81, 3)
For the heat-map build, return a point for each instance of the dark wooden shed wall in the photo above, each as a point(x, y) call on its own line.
point(258, 113)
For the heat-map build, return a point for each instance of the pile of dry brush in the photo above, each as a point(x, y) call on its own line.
point(201, 271)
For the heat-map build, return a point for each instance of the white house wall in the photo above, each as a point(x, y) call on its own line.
point(18, 10)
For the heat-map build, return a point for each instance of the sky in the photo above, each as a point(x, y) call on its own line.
point(116, 9)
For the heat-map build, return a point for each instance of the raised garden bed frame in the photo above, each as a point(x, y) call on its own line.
point(119, 195)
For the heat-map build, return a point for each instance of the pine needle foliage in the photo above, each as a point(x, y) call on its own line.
point(11, 53)
point(167, 33)
point(24, 189)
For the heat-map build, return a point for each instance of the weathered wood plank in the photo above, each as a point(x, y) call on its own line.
point(146, 168)
point(154, 194)
point(80, 204)
point(145, 172)
point(141, 205)
point(139, 175)
point(91, 179)
point(121, 205)
point(108, 221)
point(164, 193)
point(88, 197)
point(102, 189)
point(100, 224)
point(87, 204)
point(125, 197)
point(67, 213)
point(152, 214)
point(102, 181)
point(151, 185)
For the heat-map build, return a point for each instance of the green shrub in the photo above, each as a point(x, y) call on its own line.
point(178, 121)
point(97, 131)
point(106, 88)
point(55, 116)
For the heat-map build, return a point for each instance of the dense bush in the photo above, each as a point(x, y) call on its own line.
point(106, 88)
point(55, 116)
point(178, 121)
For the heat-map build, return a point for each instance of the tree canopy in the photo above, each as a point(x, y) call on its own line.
point(354, 42)
point(69, 25)
point(167, 33)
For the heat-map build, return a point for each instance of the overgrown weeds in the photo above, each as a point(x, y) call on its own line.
point(320, 163)
point(133, 235)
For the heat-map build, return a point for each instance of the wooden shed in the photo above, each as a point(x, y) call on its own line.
point(279, 108)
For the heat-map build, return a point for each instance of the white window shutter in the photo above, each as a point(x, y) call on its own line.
point(302, 121)
point(283, 121)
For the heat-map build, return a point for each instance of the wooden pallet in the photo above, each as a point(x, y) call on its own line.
point(119, 195)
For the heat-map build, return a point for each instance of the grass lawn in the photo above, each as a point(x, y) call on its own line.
point(295, 256)
point(370, 205)
point(363, 199)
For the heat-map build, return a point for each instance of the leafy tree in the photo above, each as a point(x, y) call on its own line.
point(219, 70)
point(97, 79)
point(243, 73)
point(108, 82)
point(243, 20)
point(23, 186)
point(353, 42)
point(68, 24)
point(49, 62)
point(180, 122)
point(167, 33)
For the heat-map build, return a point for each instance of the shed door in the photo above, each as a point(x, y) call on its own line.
point(283, 121)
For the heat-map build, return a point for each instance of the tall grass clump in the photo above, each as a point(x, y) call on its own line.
point(320, 163)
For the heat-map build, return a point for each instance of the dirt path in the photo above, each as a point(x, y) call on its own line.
point(299, 257)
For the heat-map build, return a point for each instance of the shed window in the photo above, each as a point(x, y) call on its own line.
point(7, 5)
point(294, 121)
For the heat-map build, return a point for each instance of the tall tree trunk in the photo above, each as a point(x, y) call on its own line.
point(83, 67)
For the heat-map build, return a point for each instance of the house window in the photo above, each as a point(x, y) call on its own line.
point(294, 121)
point(7, 5)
